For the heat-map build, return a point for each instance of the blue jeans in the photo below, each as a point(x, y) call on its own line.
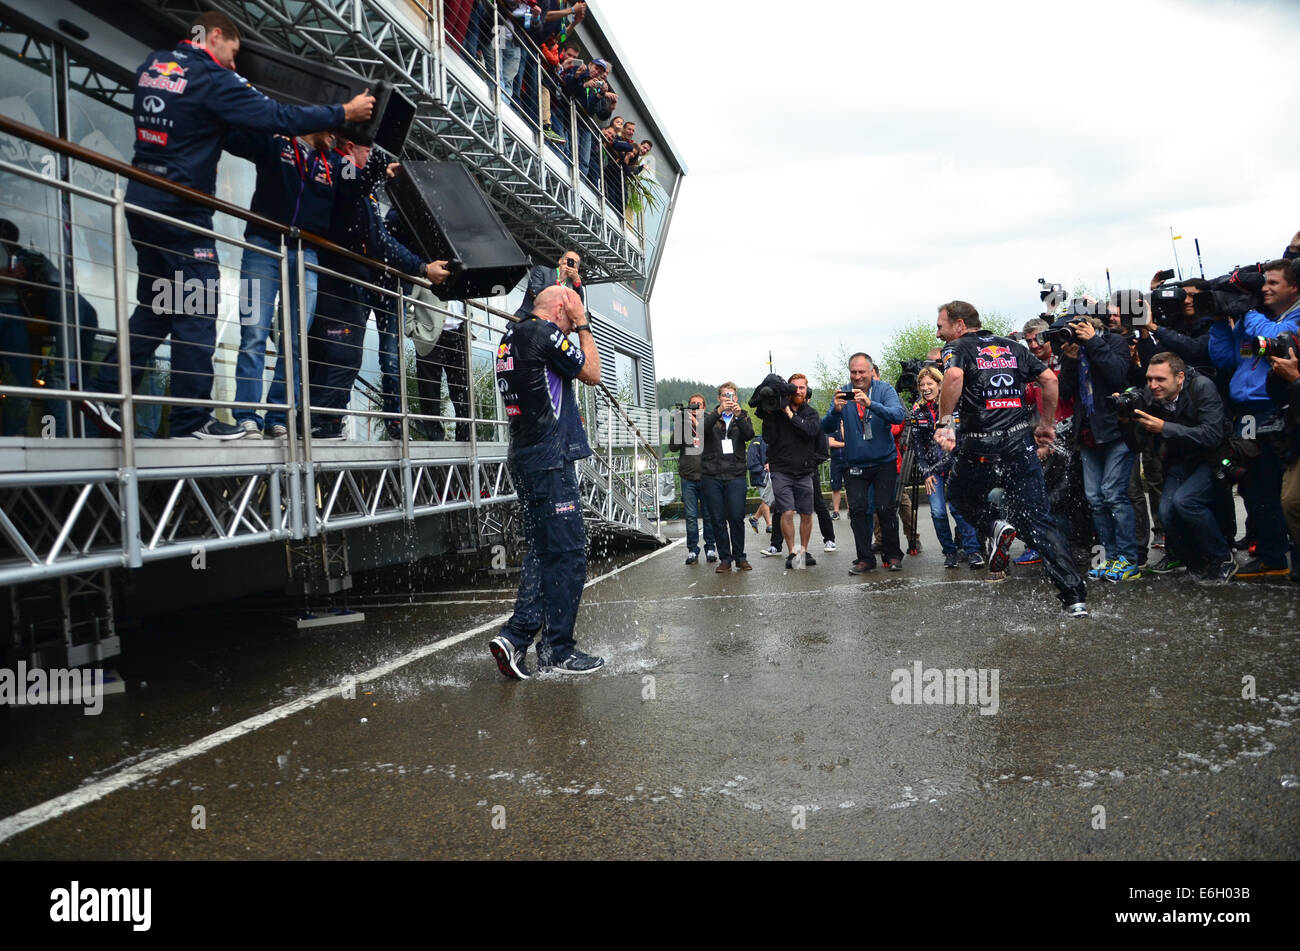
point(1106, 472)
point(265, 271)
point(510, 57)
point(939, 510)
point(696, 508)
point(726, 499)
point(1187, 509)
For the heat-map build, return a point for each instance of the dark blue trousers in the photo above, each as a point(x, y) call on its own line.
point(725, 501)
point(555, 566)
point(177, 293)
point(334, 345)
point(1014, 468)
point(1187, 507)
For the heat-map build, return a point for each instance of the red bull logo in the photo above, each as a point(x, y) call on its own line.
point(502, 351)
point(995, 358)
point(170, 78)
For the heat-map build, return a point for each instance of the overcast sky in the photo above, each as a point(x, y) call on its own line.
point(851, 166)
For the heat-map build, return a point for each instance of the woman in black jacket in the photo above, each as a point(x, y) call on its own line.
point(726, 431)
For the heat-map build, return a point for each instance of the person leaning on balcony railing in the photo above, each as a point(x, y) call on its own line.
point(186, 101)
point(589, 87)
point(296, 181)
point(563, 273)
point(343, 306)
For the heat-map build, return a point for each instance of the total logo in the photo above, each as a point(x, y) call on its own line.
point(1012, 402)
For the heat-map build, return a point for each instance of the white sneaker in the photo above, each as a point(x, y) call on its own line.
point(829, 546)
point(770, 552)
point(250, 428)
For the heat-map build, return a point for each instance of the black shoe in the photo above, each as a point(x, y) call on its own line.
point(1242, 544)
point(894, 564)
point(950, 560)
point(576, 663)
point(862, 567)
point(1004, 533)
point(808, 560)
point(215, 430)
point(1254, 568)
point(510, 659)
point(710, 555)
point(1167, 565)
point(914, 548)
point(692, 557)
point(1220, 574)
point(107, 419)
point(328, 432)
point(975, 560)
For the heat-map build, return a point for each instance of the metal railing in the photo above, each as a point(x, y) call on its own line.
point(127, 502)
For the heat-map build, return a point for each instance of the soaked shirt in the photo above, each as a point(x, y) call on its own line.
point(996, 370)
point(535, 364)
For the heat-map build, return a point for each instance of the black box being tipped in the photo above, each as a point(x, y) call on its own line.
point(452, 220)
point(292, 79)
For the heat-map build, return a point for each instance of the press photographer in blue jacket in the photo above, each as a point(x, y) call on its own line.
point(868, 408)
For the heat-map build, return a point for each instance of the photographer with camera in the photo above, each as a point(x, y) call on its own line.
point(1179, 322)
point(934, 464)
point(1183, 410)
point(1093, 364)
point(563, 274)
point(687, 441)
point(790, 426)
point(865, 411)
point(727, 430)
point(984, 378)
point(1241, 349)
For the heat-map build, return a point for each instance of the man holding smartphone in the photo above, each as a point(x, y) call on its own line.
point(564, 273)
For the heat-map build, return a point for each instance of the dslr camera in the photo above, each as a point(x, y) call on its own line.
point(1123, 404)
point(1080, 310)
point(1261, 348)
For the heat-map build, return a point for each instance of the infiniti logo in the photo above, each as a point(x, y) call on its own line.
point(153, 104)
point(1002, 379)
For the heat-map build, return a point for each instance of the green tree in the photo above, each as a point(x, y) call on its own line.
point(916, 339)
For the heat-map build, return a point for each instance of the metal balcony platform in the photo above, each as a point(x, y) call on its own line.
point(457, 117)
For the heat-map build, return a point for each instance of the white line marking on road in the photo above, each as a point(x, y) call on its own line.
point(60, 805)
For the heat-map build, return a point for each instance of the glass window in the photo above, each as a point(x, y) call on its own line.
point(627, 369)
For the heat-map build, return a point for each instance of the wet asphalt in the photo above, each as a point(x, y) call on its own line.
point(746, 715)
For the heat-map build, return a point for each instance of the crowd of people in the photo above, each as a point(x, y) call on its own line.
point(542, 71)
point(1100, 432)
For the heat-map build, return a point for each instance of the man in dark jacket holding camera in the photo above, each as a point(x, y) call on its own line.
point(790, 426)
point(1094, 364)
point(1183, 409)
point(726, 431)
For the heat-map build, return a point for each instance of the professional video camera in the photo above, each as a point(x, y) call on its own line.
point(1229, 295)
point(772, 394)
point(907, 379)
point(1051, 295)
point(1061, 332)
